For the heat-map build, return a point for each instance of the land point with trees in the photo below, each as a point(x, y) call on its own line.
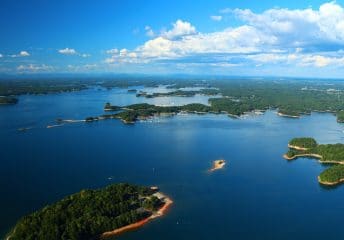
point(88, 214)
point(326, 153)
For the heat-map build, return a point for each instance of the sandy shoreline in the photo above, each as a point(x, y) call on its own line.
point(330, 183)
point(218, 164)
point(286, 115)
point(167, 203)
point(313, 156)
point(56, 125)
point(304, 155)
point(297, 147)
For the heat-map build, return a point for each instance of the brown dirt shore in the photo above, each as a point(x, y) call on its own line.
point(218, 164)
point(286, 115)
point(297, 147)
point(330, 183)
point(303, 155)
point(314, 156)
point(133, 226)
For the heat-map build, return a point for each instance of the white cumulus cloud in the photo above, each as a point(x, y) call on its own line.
point(21, 54)
point(24, 54)
point(68, 51)
point(35, 68)
point(180, 29)
point(288, 37)
point(112, 51)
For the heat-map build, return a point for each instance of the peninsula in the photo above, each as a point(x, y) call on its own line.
point(93, 214)
point(325, 153)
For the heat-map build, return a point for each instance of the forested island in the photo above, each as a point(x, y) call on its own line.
point(93, 214)
point(325, 153)
point(141, 111)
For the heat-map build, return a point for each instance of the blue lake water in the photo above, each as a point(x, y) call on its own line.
point(258, 195)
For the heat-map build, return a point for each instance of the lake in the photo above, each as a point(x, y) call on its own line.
point(258, 195)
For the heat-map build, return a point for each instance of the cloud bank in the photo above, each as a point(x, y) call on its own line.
point(301, 37)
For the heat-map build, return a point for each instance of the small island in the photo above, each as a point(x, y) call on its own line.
point(93, 214)
point(217, 164)
point(325, 153)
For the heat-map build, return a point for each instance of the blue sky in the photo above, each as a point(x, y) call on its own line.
point(225, 37)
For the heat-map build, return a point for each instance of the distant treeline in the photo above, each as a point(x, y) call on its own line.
point(290, 97)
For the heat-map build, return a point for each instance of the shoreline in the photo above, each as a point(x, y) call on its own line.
point(286, 115)
point(303, 155)
point(159, 213)
point(218, 164)
point(312, 155)
point(56, 125)
point(297, 147)
point(330, 183)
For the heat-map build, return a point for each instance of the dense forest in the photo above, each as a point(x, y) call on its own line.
point(330, 153)
point(303, 142)
point(87, 214)
point(333, 174)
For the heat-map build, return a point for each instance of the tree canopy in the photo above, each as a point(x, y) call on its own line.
point(87, 214)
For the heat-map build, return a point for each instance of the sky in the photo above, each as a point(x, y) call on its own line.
point(220, 37)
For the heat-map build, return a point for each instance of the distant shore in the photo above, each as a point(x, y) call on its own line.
point(167, 203)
